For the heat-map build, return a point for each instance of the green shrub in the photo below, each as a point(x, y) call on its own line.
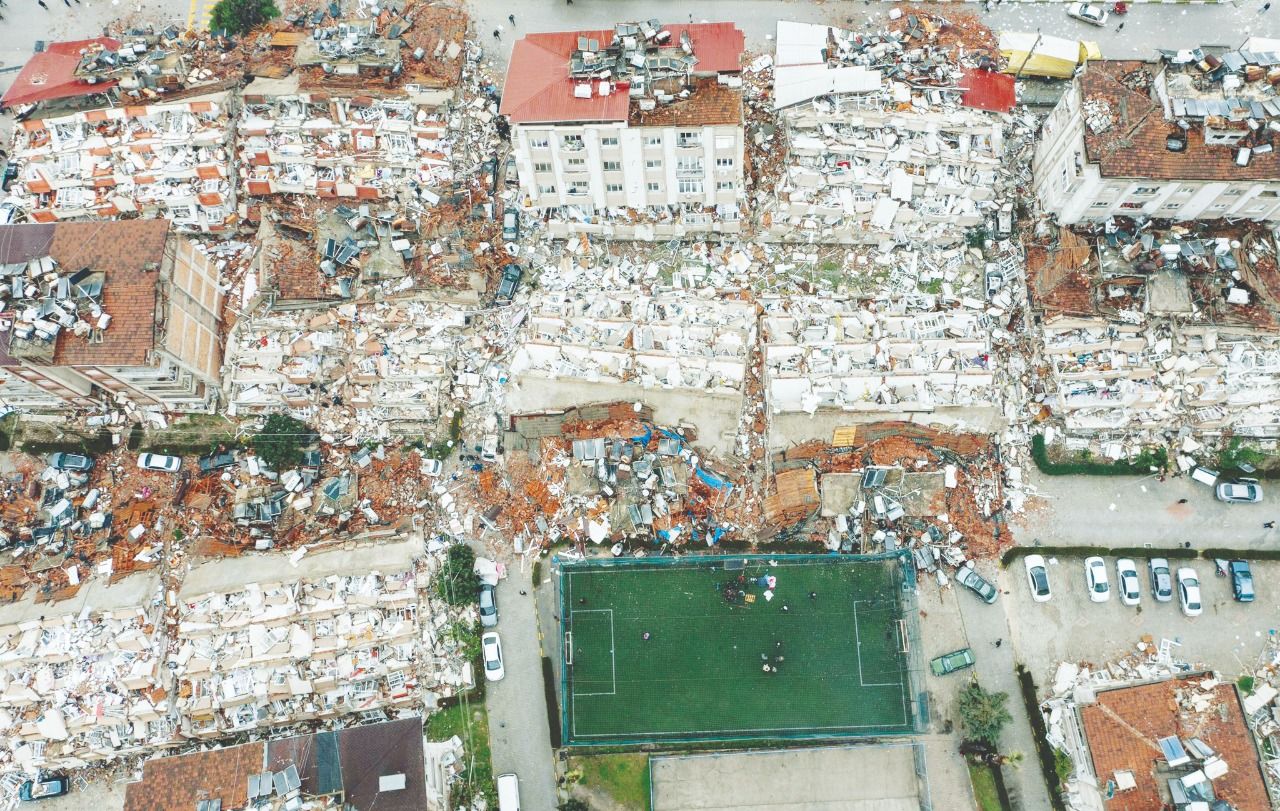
point(238, 16)
point(1245, 683)
point(1084, 465)
point(280, 442)
point(457, 582)
point(983, 714)
point(1062, 765)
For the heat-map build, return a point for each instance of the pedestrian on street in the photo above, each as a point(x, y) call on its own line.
point(497, 34)
point(1269, 525)
point(1265, 7)
point(512, 18)
point(1119, 28)
point(1182, 501)
point(999, 642)
point(42, 5)
point(524, 593)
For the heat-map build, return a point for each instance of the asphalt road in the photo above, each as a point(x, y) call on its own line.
point(1132, 511)
point(518, 732)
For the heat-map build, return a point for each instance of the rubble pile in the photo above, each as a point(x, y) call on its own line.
point(48, 300)
point(164, 159)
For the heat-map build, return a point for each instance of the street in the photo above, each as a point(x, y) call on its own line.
point(1136, 510)
point(518, 732)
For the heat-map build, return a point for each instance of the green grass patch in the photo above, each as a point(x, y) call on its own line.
point(1245, 683)
point(1062, 766)
point(468, 720)
point(195, 435)
point(701, 673)
point(624, 778)
point(8, 424)
point(984, 788)
point(1085, 464)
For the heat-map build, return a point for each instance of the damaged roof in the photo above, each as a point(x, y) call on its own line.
point(180, 782)
point(51, 74)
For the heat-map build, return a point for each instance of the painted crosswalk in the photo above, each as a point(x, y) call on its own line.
point(198, 13)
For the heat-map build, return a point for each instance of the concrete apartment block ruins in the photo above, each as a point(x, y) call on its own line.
point(830, 362)
point(156, 160)
point(1187, 137)
point(122, 310)
point(1157, 329)
point(677, 352)
point(886, 136)
point(362, 147)
point(644, 117)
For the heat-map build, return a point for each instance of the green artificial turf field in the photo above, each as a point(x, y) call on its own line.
point(700, 673)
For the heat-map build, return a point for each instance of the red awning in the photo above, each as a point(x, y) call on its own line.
point(987, 90)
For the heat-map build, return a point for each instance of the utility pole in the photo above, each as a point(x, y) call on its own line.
point(1027, 58)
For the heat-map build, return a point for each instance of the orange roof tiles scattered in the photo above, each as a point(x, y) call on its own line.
point(709, 103)
point(177, 783)
point(1135, 146)
point(1059, 277)
point(1124, 725)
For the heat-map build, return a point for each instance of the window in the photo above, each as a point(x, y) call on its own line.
point(690, 163)
point(653, 187)
point(724, 163)
point(687, 139)
point(542, 167)
point(1218, 206)
point(577, 163)
point(612, 166)
point(653, 164)
point(546, 190)
point(1132, 204)
point(690, 187)
point(1147, 190)
point(724, 142)
point(609, 141)
point(1103, 204)
point(538, 142)
point(653, 140)
point(1232, 193)
point(613, 188)
point(724, 185)
point(572, 142)
point(577, 188)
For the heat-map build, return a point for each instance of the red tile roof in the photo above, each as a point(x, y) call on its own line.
point(50, 74)
point(1123, 726)
point(710, 103)
point(538, 88)
point(1135, 147)
point(178, 783)
point(988, 90)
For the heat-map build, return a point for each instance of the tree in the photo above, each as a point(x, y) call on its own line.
point(983, 714)
point(281, 440)
point(239, 16)
point(458, 583)
point(574, 804)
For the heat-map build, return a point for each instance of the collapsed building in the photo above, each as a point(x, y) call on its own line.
point(634, 132)
point(678, 352)
point(1151, 329)
point(1189, 136)
point(122, 311)
point(166, 160)
point(885, 136)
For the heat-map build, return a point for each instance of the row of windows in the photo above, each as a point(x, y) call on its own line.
point(690, 186)
point(683, 139)
point(690, 164)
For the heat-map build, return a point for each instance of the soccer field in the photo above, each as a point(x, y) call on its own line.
point(831, 635)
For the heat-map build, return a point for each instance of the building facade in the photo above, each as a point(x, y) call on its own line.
point(642, 118)
point(1172, 140)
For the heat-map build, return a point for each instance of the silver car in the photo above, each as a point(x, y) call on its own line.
point(1161, 579)
point(160, 462)
point(1240, 491)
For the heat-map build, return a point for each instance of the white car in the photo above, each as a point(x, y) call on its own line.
point(1095, 577)
point(1037, 578)
point(431, 467)
point(1085, 12)
point(1161, 579)
point(1244, 491)
point(1189, 592)
point(1127, 582)
point(491, 650)
point(156, 461)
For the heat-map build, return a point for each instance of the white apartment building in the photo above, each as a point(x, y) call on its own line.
point(1185, 138)
point(640, 117)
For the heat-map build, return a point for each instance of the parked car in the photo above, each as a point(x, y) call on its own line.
point(8, 212)
point(45, 788)
point(1241, 581)
point(509, 284)
point(510, 225)
point(1161, 579)
point(951, 662)
point(1127, 582)
point(508, 792)
point(510, 172)
point(156, 461)
point(1095, 577)
point(431, 467)
point(70, 461)
point(1240, 491)
point(970, 579)
point(488, 605)
point(491, 651)
point(1189, 592)
point(1038, 578)
point(1086, 12)
point(216, 461)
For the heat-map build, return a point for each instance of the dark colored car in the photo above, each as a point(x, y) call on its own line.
point(70, 461)
point(973, 581)
point(511, 275)
point(1241, 581)
point(488, 605)
point(45, 788)
point(511, 225)
point(216, 461)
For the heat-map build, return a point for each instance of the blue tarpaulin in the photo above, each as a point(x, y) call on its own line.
point(713, 480)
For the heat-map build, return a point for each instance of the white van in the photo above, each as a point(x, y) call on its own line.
point(508, 792)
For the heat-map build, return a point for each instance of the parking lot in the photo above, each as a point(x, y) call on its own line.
point(1228, 636)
